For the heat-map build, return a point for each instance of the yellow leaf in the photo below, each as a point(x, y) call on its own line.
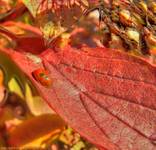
point(34, 129)
point(15, 87)
point(36, 104)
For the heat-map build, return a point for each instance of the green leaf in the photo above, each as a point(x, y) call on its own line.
point(32, 6)
point(78, 146)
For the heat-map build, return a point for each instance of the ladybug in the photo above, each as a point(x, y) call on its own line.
point(42, 76)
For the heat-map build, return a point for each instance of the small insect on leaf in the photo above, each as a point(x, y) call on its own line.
point(42, 76)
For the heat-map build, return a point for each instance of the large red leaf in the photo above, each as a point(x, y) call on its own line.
point(107, 96)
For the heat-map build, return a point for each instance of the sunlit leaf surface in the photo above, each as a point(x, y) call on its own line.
point(105, 95)
point(14, 87)
point(35, 128)
point(89, 89)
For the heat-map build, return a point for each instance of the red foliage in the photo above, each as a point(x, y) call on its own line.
point(33, 43)
point(13, 13)
point(105, 95)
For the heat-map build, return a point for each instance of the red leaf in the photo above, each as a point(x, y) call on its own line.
point(13, 13)
point(32, 43)
point(107, 96)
